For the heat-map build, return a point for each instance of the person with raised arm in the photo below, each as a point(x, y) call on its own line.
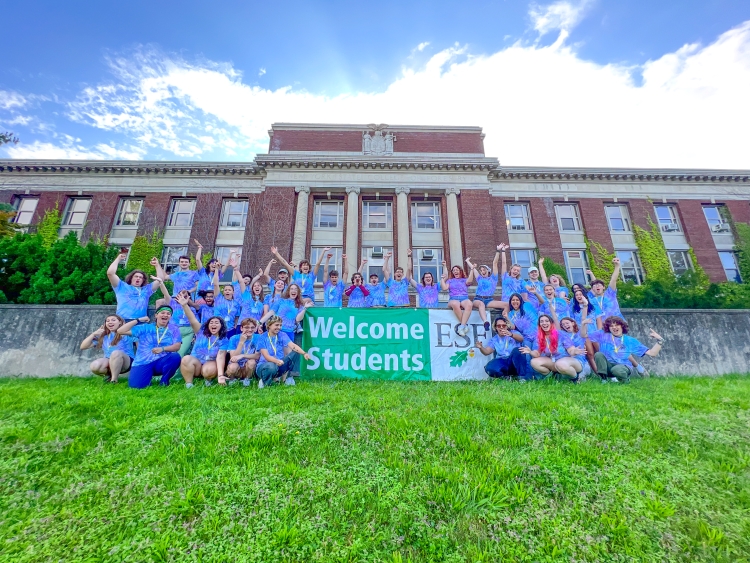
point(357, 292)
point(375, 288)
point(398, 286)
point(605, 297)
point(183, 277)
point(428, 291)
point(479, 304)
point(556, 281)
point(487, 284)
point(133, 293)
point(282, 274)
point(252, 301)
point(505, 346)
point(243, 356)
point(304, 275)
point(510, 280)
point(613, 360)
point(277, 292)
point(207, 358)
point(456, 284)
point(547, 301)
point(206, 274)
point(118, 349)
point(333, 286)
point(156, 353)
point(277, 355)
point(225, 304)
point(290, 309)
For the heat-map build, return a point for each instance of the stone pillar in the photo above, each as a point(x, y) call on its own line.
point(402, 219)
point(454, 228)
point(352, 229)
point(299, 242)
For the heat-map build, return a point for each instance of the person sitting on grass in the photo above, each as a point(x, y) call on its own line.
point(243, 356)
point(133, 293)
point(615, 348)
point(551, 346)
point(205, 360)
point(277, 355)
point(508, 360)
point(156, 353)
point(118, 349)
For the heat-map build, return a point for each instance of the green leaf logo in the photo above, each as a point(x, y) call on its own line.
point(459, 358)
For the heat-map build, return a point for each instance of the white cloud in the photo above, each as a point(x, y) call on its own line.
point(68, 149)
point(541, 106)
point(262, 71)
point(561, 15)
point(421, 46)
point(10, 100)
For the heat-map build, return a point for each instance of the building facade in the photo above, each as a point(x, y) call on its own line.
point(366, 190)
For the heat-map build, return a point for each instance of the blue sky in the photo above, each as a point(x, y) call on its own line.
point(565, 83)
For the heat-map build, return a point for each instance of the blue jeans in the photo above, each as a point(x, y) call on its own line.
point(166, 366)
point(516, 364)
point(268, 370)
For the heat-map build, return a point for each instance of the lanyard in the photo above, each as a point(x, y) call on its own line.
point(211, 344)
point(244, 346)
point(163, 334)
point(270, 341)
point(614, 345)
point(601, 302)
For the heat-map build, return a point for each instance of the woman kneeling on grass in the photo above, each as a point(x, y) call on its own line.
point(157, 348)
point(118, 349)
point(205, 359)
point(243, 355)
point(275, 362)
point(550, 347)
point(615, 347)
point(508, 360)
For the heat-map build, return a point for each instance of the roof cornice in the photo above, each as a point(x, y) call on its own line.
point(362, 127)
point(323, 161)
point(127, 168)
point(618, 174)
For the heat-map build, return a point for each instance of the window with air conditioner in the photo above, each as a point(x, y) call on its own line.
point(427, 260)
point(666, 215)
point(375, 256)
point(716, 218)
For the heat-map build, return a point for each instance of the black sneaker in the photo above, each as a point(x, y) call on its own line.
point(486, 325)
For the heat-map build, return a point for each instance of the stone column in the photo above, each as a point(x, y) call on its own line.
point(402, 219)
point(352, 229)
point(299, 242)
point(454, 228)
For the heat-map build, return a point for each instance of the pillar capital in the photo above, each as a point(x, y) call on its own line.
point(402, 190)
point(302, 189)
point(452, 190)
point(352, 190)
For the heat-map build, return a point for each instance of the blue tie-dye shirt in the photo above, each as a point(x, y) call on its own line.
point(560, 305)
point(205, 281)
point(357, 298)
point(512, 285)
point(273, 345)
point(526, 325)
point(206, 348)
point(606, 304)
point(458, 290)
point(227, 310)
point(205, 312)
point(183, 280)
point(398, 292)
point(503, 345)
point(125, 344)
point(249, 347)
point(428, 295)
point(486, 286)
point(251, 308)
point(618, 349)
point(377, 295)
point(150, 336)
point(306, 282)
point(333, 295)
point(575, 339)
point(288, 311)
point(179, 317)
point(132, 302)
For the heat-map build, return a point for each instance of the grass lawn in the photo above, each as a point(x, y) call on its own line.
point(658, 470)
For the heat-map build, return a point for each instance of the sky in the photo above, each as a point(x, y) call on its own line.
point(595, 83)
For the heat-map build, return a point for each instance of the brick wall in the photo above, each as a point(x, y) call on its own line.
point(101, 215)
point(641, 210)
point(6, 196)
point(154, 212)
point(739, 210)
point(499, 226)
point(47, 201)
point(438, 142)
point(270, 223)
point(595, 222)
point(546, 232)
point(206, 222)
point(477, 222)
point(699, 238)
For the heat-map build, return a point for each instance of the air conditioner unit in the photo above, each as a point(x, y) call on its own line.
point(721, 228)
point(428, 254)
point(377, 252)
point(670, 228)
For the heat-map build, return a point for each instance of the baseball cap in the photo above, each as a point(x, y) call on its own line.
point(283, 270)
point(533, 269)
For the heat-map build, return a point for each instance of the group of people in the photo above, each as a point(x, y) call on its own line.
point(246, 329)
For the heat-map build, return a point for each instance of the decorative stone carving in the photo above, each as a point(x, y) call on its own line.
point(455, 190)
point(377, 143)
point(352, 190)
point(402, 190)
point(302, 189)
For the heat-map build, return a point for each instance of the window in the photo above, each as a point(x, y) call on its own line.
point(567, 218)
point(716, 220)
point(618, 218)
point(680, 261)
point(76, 211)
point(334, 264)
point(233, 214)
point(328, 215)
point(181, 214)
point(517, 217)
point(170, 257)
point(425, 215)
point(524, 258)
point(666, 215)
point(427, 260)
point(222, 255)
point(25, 208)
point(630, 266)
point(130, 210)
point(375, 263)
point(376, 215)
point(575, 260)
point(729, 261)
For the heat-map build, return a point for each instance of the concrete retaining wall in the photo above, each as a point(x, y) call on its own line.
point(43, 340)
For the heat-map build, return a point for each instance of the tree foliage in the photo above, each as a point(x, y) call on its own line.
point(7, 227)
point(49, 226)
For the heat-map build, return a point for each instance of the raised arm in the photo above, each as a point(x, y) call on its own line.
point(362, 265)
point(591, 275)
point(125, 329)
point(267, 271)
point(444, 278)
point(345, 265)
point(238, 278)
point(114, 279)
point(284, 263)
point(325, 267)
point(195, 324)
point(555, 320)
point(160, 273)
point(386, 269)
point(88, 342)
point(164, 290)
point(504, 259)
point(217, 289)
point(303, 309)
point(256, 278)
point(472, 272)
point(656, 348)
point(542, 273)
point(319, 261)
point(532, 289)
point(495, 260)
point(615, 274)
point(409, 275)
point(198, 254)
point(585, 321)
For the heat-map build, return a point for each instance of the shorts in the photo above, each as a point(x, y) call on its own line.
point(586, 371)
point(485, 300)
point(458, 298)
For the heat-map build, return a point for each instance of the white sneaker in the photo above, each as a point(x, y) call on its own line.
point(189, 386)
point(289, 381)
point(260, 384)
point(613, 379)
point(463, 330)
point(208, 383)
point(246, 382)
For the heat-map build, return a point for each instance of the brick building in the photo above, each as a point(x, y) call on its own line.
point(367, 190)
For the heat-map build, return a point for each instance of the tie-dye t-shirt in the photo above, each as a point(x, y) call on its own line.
point(559, 304)
point(227, 309)
point(205, 281)
point(357, 298)
point(270, 299)
point(205, 312)
point(558, 354)
point(398, 292)
point(606, 304)
point(575, 339)
point(206, 348)
point(577, 316)
point(511, 286)
point(273, 345)
point(377, 295)
point(248, 347)
point(132, 302)
point(251, 308)
point(179, 317)
point(503, 345)
point(306, 282)
point(618, 349)
point(183, 280)
point(457, 289)
point(428, 295)
point(150, 336)
point(486, 286)
point(526, 325)
point(538, 285)
point(288, 311)
point(333, 295)
point(125, 344)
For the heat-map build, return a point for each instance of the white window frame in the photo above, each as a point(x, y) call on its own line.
point(334, 264)
point(524, 216)
point(672, 225)
point(611, 210)
point(637, 274)
point(72, 210)
point(685, 257)
point(569, 267)
point(420, 268)
point(388, 219)
point(436, 216)
point(319, 205)
point(175, 213)
point(20, 203)
point(526, 252)
point(121, 212)
point(576, 218)
point(718, 224)
point(170, 257)
point(735, 269)
point(374, 263)
point(227, 212)
point(222, 253)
